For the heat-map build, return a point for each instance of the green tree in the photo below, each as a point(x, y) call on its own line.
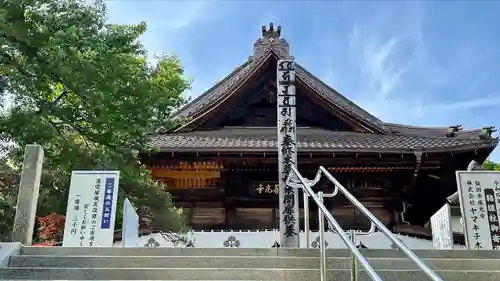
point(492, 166)
point(8, 196)
point(85, 91)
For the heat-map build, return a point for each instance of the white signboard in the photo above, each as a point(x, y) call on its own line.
point(90, 216)
point(130, 228)
point(287, 153)
point(442, 234)
point(480, 201)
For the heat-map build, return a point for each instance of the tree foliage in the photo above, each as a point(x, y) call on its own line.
point(492, 166)
point(51, 227)
point(85, 91)
point(8, 197)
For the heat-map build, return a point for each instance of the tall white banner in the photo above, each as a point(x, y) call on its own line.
point(442, 234)
point(479, 193)
point(287, 153)
point(130, 225)
point(91, 212)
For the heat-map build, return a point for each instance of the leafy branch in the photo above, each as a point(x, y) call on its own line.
point(85, 91)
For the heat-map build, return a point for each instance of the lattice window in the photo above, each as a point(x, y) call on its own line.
point(187, 175)
point(189, 183)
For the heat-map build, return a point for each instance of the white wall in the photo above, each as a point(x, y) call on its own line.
point(266, 238)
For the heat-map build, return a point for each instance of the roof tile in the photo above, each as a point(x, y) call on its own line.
point(309, 139)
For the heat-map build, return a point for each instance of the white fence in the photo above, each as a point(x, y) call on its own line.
point(266, 239)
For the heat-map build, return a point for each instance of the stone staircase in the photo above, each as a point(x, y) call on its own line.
point(56, 263)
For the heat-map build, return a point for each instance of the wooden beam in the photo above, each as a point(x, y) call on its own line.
point(161, 173)
point(309, 157)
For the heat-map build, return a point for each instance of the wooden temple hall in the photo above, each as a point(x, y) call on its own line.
point(221, 165)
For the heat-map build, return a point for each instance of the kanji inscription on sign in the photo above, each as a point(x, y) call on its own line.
point(479, 193)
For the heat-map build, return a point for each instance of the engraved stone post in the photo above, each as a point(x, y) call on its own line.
point(287, 154)
point(27, 197)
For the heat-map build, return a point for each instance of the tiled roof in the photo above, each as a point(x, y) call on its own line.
point(309, 139)
point(264, 48)
point(386, 136)
point(336, 98)
point(217, 91)
point(222, 88)
point(431, 131)
point(244, 72)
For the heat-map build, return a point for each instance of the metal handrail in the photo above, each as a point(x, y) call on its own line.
point(306, 218)
point(350, 245)
point(352, 234)
point(347, 240)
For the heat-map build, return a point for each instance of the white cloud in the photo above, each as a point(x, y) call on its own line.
point(417, 110)
point(185, 13)
point(382, 60)
point(381, 73)
point(401, 78)
point(468, 104)
point(166, 15)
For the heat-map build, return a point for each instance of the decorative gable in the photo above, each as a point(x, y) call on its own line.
point(267, 49)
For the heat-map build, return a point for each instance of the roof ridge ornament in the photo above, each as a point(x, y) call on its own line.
point(271, 33)
point(271, 40)
point(486, 132)
point(453, 129)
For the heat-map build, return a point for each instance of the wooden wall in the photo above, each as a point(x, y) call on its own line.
point(188, 175)
point(217, 196)
point(268, 218)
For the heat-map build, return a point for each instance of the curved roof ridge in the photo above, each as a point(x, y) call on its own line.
point(314, 139)
point(430, 128)
point(442, 132)
point(323, 89)
point(344, 100)
point(204, 95)
point(263, 49)
point(388, 124)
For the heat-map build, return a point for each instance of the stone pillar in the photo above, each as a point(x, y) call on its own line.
point(27, 197)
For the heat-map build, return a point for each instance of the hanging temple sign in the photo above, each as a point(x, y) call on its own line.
point(287, 152)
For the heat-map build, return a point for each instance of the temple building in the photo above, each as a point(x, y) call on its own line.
point(221, 165)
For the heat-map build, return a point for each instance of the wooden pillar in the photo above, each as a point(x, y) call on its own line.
point(287, 154)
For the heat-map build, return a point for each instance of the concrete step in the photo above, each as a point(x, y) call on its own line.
point(230, 274)
point(239, 262)
point(117, 251)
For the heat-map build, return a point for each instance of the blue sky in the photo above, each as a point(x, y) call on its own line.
point(420, 63)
